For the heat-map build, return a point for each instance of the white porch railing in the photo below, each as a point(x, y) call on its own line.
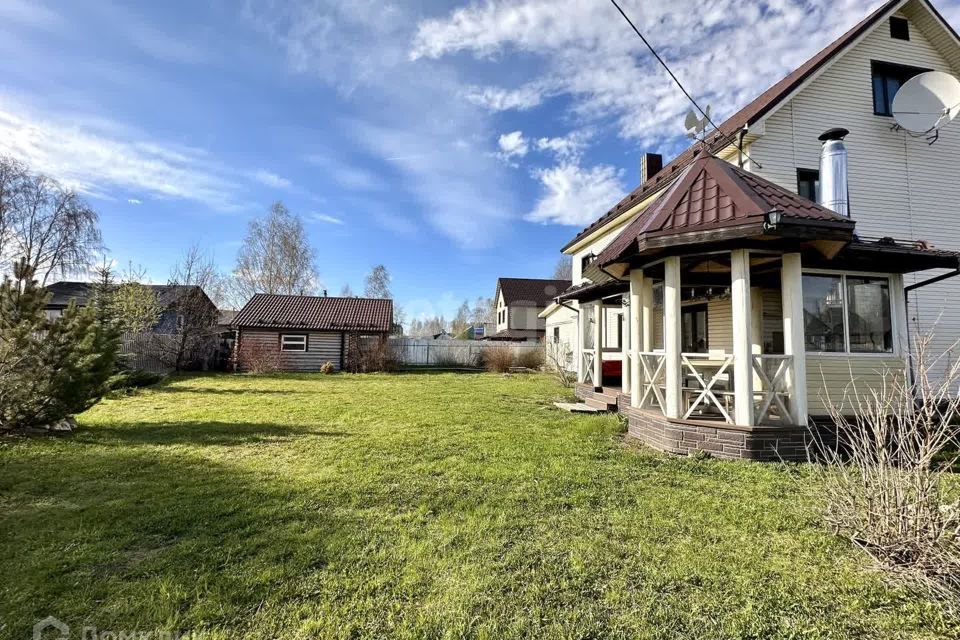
point(698, 390)
point(652, 381)
point(772, 392)
point(587, 357)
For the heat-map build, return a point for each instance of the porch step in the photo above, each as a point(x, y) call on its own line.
point(598, 402)
point(576, 408)
point(608, 395)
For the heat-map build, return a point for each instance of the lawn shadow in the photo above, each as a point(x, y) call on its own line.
point(144, 533)
point(161, 388)
point(200, 433)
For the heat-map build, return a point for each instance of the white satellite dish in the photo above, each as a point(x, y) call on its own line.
point(927, 102)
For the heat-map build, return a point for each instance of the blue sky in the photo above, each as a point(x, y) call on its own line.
point(453, 142)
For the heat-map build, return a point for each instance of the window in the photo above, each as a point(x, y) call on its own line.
point(808, 184)
point(887, 80)
point(556, 334)
point(847, 314)
point(693, 327)
point(586, 261)
point(293, 342)
point(868, 304)
point(899, 28)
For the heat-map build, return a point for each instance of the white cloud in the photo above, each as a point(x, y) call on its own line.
point(30, 13)
point(322, 217)
point(574, 195)
point(345, 175)
point(500, 99)
point(513, 145)
point(271, 179)
point(134, 201)
point(95, 155)
point(568, 147)
point(412, 117)
point(588, 53)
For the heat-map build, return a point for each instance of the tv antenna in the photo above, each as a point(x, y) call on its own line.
point(926, 103)
point(697, 127)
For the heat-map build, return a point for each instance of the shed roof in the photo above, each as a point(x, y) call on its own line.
point(532, 292)
point(318, 313)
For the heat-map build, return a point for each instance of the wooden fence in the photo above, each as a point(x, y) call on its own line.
point(450, 353)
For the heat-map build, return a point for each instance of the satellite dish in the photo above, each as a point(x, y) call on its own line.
point(927, 102)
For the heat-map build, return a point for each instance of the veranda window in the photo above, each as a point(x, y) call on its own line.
point(847, 314)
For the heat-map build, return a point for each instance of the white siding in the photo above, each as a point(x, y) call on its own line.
point(838, 380)
point(564, 320)
point(899, 186)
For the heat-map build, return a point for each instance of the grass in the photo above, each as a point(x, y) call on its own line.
point(417, 505)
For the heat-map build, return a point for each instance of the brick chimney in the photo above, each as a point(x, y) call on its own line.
point(650, 165)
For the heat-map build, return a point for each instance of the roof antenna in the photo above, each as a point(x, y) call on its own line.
point(697, 128)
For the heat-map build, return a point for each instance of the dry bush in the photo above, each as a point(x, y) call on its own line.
point(327, 368)
point(498, 358)
point(531, 359)
point(558, 357)
point(368, 355)
point(258, 358)
point(883, 478)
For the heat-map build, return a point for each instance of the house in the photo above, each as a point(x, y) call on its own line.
point(519, 302)
point(752, 304)
point(478, 331)
point(168, 297)
point(302, 333)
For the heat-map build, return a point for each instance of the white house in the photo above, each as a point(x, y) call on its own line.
point(750, 307)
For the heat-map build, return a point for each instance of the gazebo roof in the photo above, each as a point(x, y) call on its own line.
point(712, 199)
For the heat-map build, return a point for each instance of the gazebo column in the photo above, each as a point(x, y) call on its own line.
point(625, 367)
point(742, 337)
point(582, 323)
point(598, 319)
point(671, 335)
point(637, 306)
point(794, 344)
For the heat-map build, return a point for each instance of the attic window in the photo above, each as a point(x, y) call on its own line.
point(899, 29)
point(887, 80)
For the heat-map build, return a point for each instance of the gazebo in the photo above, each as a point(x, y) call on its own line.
point(752, 312)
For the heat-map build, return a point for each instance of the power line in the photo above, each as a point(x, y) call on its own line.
point(676, 80)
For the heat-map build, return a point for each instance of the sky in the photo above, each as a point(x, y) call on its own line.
point(454, 142)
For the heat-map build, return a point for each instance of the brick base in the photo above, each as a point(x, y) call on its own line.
point(720, 440)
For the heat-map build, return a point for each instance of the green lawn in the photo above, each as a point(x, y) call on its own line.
point(413, 505)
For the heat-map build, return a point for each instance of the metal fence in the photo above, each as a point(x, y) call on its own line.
point(451, 353)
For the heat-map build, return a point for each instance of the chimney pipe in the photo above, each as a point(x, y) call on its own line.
point(324, 293)
point(650, 165)
point(834, 187)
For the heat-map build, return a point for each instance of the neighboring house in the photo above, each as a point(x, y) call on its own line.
point(170, 321)
point(519, 302)
point(750, 307)
point(304, 332)
point(478, 331)
point(443, 335)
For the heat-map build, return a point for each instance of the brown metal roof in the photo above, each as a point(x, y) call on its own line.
point(531, 292)
point(712, 194)
point(316, 313)
point(746, 116)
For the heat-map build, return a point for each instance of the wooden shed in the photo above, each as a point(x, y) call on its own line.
point(302, 333)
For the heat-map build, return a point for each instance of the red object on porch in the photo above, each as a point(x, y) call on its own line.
point(612, 369)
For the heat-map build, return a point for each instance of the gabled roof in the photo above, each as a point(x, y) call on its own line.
point(530, 292)
point(751, 113)
point(316, 313)
point(80, 292)
point(714, 194)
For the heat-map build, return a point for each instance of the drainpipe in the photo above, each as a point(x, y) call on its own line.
point(740, 136)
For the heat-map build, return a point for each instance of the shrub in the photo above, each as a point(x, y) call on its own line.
point(367, 355)
point(530, 358)
point(559, 357)
point(327, 368)
point(498, 358)
point(132, 379)
point(258, 358)
point(883, 482)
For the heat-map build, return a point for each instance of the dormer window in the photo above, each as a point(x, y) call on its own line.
point(887, 80)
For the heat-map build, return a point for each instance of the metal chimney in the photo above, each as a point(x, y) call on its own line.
point(834, 188)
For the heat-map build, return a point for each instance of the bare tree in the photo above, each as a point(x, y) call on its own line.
point(346, 291)
point(564, 268)
point(461, 321)
point(483, 311)
point(196, 323)
point(275, 257)
point(45, 223)
point(377, 283)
